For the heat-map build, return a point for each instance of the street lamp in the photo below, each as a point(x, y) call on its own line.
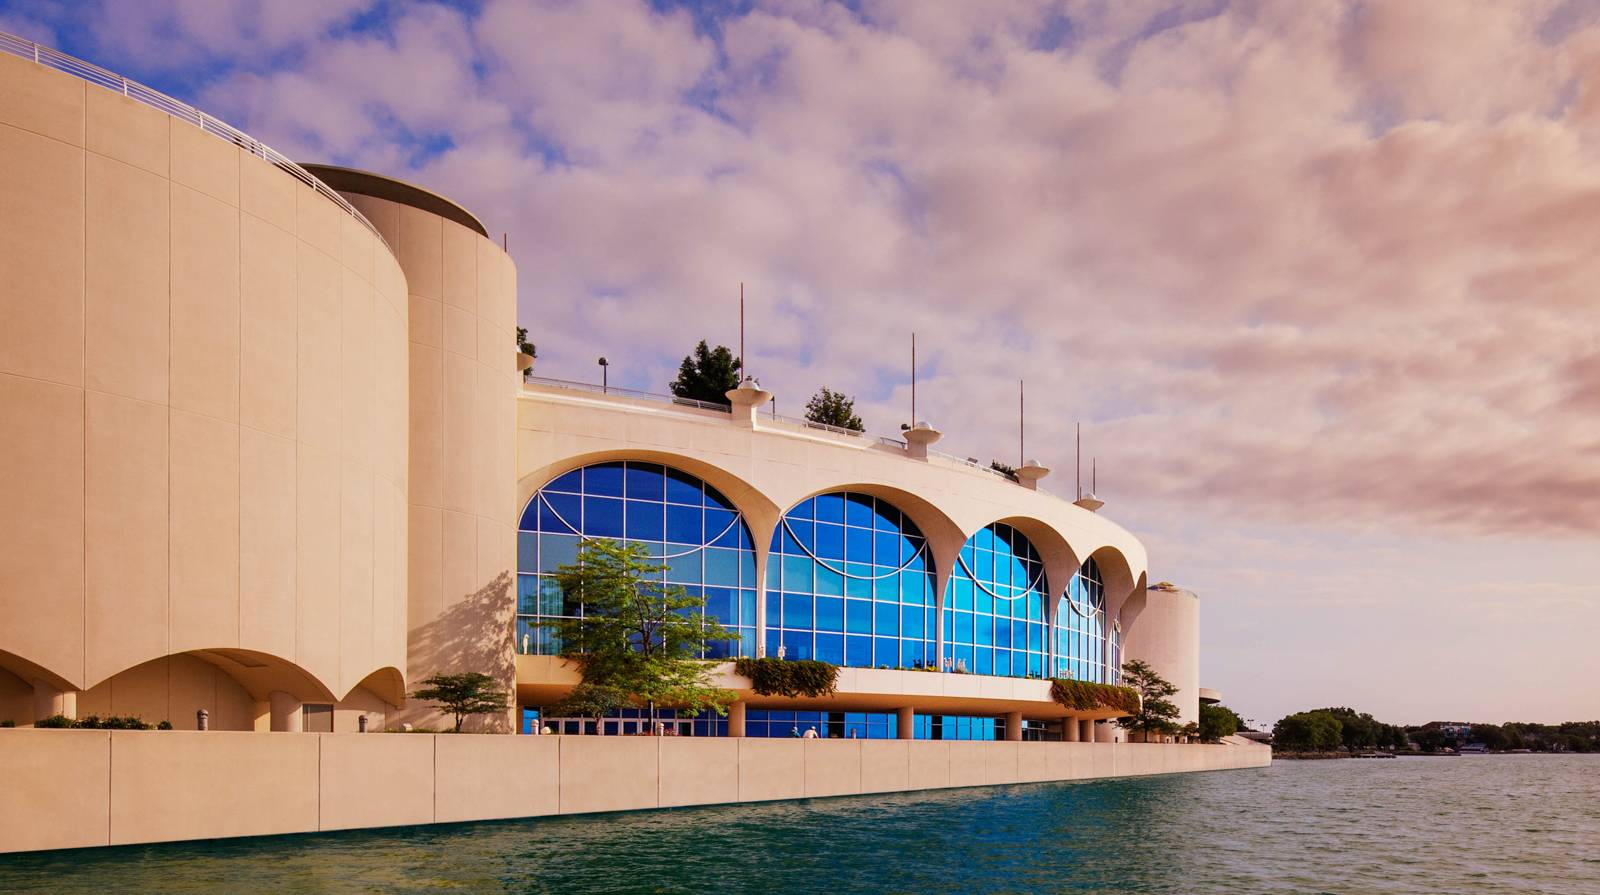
point(605, 366)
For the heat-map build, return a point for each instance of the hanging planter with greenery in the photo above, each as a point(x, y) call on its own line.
point(1088, 696)
point(800, 677)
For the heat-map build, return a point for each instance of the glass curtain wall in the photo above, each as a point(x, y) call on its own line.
point(1080, 625)
point(850, 581)
point(685, 523)
point(994, 618)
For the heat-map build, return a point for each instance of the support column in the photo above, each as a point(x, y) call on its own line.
point(48, 701)
point(286, 713)
point(736, 719)
point(1013, 727)
point(905, 727)
point(262, 716)
point(1069, 730)
point(1086, 730)
point(1103, 732)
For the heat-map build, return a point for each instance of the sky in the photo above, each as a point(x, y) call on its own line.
point(1316, 278)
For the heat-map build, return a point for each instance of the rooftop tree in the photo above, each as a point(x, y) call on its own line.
point(707, 374)
point(639, 637)
point(831, 408)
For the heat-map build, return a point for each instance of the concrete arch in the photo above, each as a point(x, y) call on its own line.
point(1061, 562)
point(32, 672)
point(259, 673)
point(759, 511)
point(944, 536)
point(387, 683)
point(1118, 575)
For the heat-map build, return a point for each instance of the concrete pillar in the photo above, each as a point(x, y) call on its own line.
point(1085, 730)
point(286, 713)
point(736, 719)
point(905, 727)
point(48, 701)
point(1104, 732)
point(1069, 730)
point(1013, 727)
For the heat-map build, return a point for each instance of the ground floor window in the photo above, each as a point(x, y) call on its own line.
point(627, 722)
point(827, 725)
point(959, 727)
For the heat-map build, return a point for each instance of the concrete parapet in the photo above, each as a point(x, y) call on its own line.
point(76, 788)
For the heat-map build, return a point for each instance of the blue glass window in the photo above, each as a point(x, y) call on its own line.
point(995, 606)
point(676, 515)
point(867, 567)
point(1080, 629)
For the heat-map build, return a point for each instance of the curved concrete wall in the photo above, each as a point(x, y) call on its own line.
point(203, 376)
point(1161, 625)
point(462, 511)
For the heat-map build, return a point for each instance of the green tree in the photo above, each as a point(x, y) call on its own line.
point(1490, 735)
point(1218, 721)
point(707, 374)
point(832, 408)
point(1317, 731)
point(639, 637)
point(1156, 714)
point(460, 695)
point(1358, 730)
point(590, 701)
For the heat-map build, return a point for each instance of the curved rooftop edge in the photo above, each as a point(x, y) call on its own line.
point(21, 47)
point(379, 186)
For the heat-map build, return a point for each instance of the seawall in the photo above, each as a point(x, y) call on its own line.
point(82, 788)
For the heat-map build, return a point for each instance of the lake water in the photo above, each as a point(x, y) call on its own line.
point(1514, 824)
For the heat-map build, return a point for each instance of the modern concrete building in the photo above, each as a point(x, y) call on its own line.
point(270, 458)
point(270, 455)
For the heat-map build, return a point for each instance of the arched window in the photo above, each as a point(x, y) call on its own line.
point(850, 581)
point(1080, 625)
point(686, 523)
point(994, 618)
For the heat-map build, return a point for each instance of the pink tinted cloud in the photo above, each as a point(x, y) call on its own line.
point(1304, 262)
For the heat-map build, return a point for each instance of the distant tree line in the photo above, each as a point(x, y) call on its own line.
point(1346, 730)
point(1334, 730)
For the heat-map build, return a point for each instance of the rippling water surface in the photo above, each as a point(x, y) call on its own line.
point(1524, 823)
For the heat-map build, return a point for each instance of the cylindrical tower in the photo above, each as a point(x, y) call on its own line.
point(203, 362)
point(1161, 625)
point(463, 513)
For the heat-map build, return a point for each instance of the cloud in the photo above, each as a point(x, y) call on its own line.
point(1317, 276)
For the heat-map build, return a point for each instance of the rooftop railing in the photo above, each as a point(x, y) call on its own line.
point(94, 74)
point(789, 421)
point(626, 393)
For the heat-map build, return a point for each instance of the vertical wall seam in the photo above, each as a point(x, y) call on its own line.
point(83, 374)
point(110, 762)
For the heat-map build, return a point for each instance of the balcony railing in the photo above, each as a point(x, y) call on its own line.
point(626, 393)
point(94, 74)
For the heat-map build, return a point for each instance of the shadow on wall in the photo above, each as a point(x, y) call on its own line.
point(474, 634)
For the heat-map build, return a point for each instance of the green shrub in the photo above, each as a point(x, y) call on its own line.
point(1088, 696)
point(8, 723)
point(777, 677)
point(95, 722)
point(164, 725)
